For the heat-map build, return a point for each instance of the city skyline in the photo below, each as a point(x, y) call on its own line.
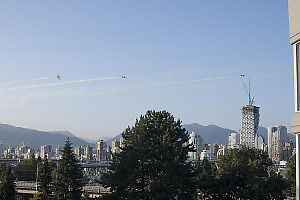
point(167, 62)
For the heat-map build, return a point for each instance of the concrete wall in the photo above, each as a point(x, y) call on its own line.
point(294, 16)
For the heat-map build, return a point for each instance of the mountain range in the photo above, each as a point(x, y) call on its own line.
point(12, 136)
point(214, 134)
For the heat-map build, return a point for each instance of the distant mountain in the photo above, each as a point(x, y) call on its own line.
point(211, 133)
point(12, 136)
point(108, 142)
point(214, 134)
point(92, 141)
point(66, 133)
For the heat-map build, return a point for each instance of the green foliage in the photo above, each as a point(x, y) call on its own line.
point(44, 181)
point(244, 174)
point(153, 163)
point(275, 186)
point(7, 184)
point(26, 170)
point(291, 176)
point(2, 169)
point(205, 179)
point(24, 196)
point(68, 178)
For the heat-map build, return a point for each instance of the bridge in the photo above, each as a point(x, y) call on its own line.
point(94, 191)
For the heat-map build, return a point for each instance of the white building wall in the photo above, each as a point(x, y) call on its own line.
point(234, 140)
point(197, 141)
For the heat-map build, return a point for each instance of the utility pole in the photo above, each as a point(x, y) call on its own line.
point(37, 175)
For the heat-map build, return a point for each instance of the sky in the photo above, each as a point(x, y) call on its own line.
point(185, 57)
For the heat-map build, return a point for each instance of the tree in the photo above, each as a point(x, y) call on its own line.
point(153, 162)
point(26, 170)
point(68, 178)
point(7, 186)
point(44, 181)
point(205, 179)
point(291, 176)
point(244, 174)
point(2, 174)
point(275, 186)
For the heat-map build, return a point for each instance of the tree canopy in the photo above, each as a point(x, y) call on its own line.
point(68, 178)
point(26, 170)
point(291, 176)
point(245, 174)
point(153, 162)
point(44, 181)
point(205, 179)
point(7, 184)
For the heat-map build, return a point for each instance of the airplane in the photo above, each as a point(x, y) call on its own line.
point(123, 76)
point(58, 76)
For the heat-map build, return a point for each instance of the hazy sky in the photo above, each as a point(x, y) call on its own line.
point(182, 56)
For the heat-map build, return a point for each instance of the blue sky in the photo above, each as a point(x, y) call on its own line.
point(160, 46)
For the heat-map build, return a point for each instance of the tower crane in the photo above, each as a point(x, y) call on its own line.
point(248, 91)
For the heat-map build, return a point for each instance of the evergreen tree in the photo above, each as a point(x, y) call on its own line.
point(7, 186)
point(44, 181)
point(153, 162)
point(2, 173)
point(291, 176)
point(68, 178)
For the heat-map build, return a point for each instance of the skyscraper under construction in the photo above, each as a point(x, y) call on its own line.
point(250, 121)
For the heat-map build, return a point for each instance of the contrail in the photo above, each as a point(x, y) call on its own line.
point(140, 86)
point(151, 85)
point(21, 82)
point(58, 84)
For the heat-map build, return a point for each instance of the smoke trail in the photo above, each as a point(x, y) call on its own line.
point(21, 82)
point(132, 87)
point(58, 84)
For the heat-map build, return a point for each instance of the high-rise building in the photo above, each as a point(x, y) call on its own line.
point(2, 148)
point(250, 121)
point(45, 149)
point(87, 152)
point(100, 150)
point(197, 142)
point(58, 152)
point(121, 143)
point(79, 151)
point(108, 154)
point(234, 140)
point(115, 146)
point(277, 136)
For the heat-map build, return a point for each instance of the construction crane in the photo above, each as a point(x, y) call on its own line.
point(248, 91)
